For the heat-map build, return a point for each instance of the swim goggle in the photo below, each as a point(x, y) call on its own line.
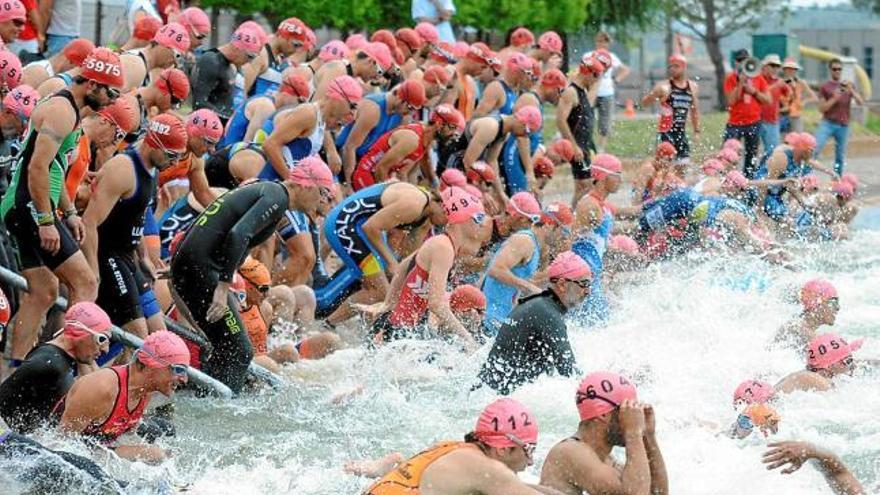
point(100, 338)
point(528, 448)
point(176, 369)
point(534, 218)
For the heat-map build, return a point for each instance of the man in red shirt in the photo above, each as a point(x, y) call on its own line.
point(745, 95)
point(835, 98)
point(776, 88)
point(32, 36)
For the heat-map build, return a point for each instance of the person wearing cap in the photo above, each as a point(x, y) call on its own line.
point(548, 51)
point(615, 72)
point(214, 245)
point(792, 104)
point(574, 118)
point(678, 99)
point(398, 151)
point(500, 95)
point(36, 72)
point(170, 41)
point(356, 229)
point(145, 30)
point(165, 92)
point(836, 97)
point(610, 416)
point(433, 18)
point(115, 215)
point(292, 134)
point(777, 89)
point(560, 215)
point(28, 396)
point(820, 305)
point(478, 61)
point(485, 462)
point(377, 114)
point(198, 23)
point(215, 70)
point(13, 17)
point(263, 74)
point(250, 115)
point(795, 454)
point(439, 86)
point(16, 110)
point(514, 264)
point(99, 405)
point(745, 95)
point(533, 340)
point(419, 284)
point(368, 64)
point(45, 243)
point(828, 356)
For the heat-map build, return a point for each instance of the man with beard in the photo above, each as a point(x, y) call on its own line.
point(48, 246)
point(610, 416)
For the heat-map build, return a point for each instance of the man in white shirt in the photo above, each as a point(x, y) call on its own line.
point(613, 75)
point(139, 8)
point(437, 12)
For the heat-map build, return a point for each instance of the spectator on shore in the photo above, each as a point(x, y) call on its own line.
point(745, 95)
point(62, 19)
point(438, 13)
point(793, 104)
point(32, 38)
point(614, 75)
point(776, 89)
point(835, 100)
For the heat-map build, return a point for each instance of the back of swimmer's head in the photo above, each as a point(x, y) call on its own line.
point(598, 398)
point(509, 430)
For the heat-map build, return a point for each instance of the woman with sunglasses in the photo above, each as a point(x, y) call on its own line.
point(106, 404)
point(28, 396)
point(115, 215)
point(533, 340)
point(610, 416)
point(46, 245)
point(501, 445)
point(828, 356)
point(820, 305)
point(144, 65)
point(263, 74)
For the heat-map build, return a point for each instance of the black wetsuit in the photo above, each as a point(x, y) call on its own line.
point(213, 79)
point(533, 342)
point(119, 234)
point(28, 396)
point(213, 248)
point(42, 470)
point(450, 153)
point(580, 121)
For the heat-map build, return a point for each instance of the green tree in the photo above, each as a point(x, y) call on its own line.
point(872, 5)
point(713, 20)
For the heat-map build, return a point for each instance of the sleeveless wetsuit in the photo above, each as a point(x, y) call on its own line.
point(363, 174)
point(665, 211)
point(293, 151)
point(407, 476)
point(28, 396)
point(268, 82)
point(450, 153)
point(387, 121)
point(176, 219)
point(509, 99)
point(238, 123)
point(511, 163)
point(580, 121)
point(501, 297)
point(591, 247)
point(217, 165)
point(119, 235)
point(17, 209)
point(774, 205)
point(673, 118)
point(214, 247)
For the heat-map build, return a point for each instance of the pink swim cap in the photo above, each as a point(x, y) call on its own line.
point(204, 123)
point(481, 172)
point(559, 213)
point(843, 189)
point(334, 50)
point(850, 179)
point(712, 167)
point(460, 205)
point(428, 32)
point(247, 40)
point(345, 88)
point(530, 117)
point(525, 205)
point(802, 141)
point(21, 101)
point(752, 392)
point(519, 61)
point(809, 183)
point(737, 179)
point(162, 349)
point(311, 171)
point(86, 314)
point(728, 155)
point(196, 19)
point(380, 53)
point(569, 266)
point(257, 29)
point(452, 177)
point(604, 165)
point(828, 349)
point(623, 243)
point(551, 42)
point(10, 73)
point(602, 392)
point(460, 49)
point(12, 10)
point(174, 36)
point(356, 41)
point(815, 292)
point(733, 144)
point(506, 423)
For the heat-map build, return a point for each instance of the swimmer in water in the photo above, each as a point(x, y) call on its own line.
point(794, 454)
point(501, 445)
point(610, 416)
point(820, 307)
point(829, 356)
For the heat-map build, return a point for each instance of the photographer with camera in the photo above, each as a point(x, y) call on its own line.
point(835, 98)
point(793, 103)
point(745, 91)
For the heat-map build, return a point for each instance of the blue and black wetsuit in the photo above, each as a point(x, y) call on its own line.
point(293, 151)
point(591, 247)
point(500, 297)
point(774, 205)
point(387, 121)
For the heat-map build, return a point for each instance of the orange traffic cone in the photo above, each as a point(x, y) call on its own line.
point(630, 111)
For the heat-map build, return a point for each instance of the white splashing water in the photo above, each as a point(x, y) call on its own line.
point(686, 335)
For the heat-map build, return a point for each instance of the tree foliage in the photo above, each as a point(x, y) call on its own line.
point(872, 5)
point(500, 15)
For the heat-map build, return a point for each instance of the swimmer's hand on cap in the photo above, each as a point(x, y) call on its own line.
point(632, 419)
point(219, 305)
